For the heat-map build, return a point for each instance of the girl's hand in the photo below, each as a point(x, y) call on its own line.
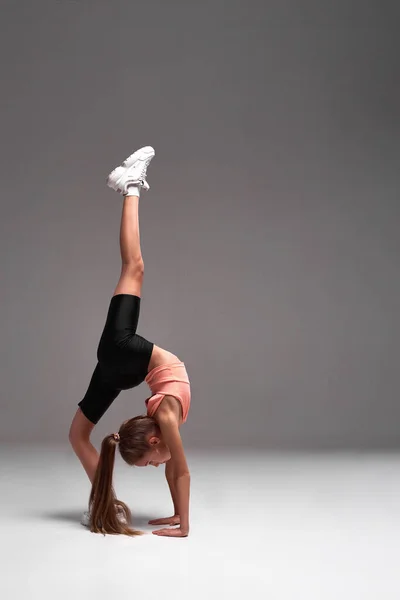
point(175, 520)
point(178, 532)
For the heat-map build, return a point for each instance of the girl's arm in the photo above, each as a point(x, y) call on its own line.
point(169, 474)
point(181, 478)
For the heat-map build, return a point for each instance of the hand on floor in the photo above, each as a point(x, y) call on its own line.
point(175, 520)
point(178, 532)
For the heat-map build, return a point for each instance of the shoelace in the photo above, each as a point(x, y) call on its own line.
point(142, 176)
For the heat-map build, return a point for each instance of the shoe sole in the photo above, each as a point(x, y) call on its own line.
point(116, 175)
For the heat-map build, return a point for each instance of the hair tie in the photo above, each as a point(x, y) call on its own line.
point(116, 437)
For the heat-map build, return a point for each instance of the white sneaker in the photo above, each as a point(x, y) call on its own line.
point(86, 518)
point(132, 171)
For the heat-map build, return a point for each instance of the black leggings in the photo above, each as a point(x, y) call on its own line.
point(123, 357)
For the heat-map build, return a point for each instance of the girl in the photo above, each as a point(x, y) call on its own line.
point(125, 359)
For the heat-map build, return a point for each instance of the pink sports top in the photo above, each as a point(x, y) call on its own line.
point(168, 380)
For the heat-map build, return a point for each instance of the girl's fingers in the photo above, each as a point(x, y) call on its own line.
point(168, 532)
point(161, 532)
point(164, 522)
point(157, 522)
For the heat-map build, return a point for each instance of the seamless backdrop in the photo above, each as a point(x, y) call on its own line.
point(270, 234)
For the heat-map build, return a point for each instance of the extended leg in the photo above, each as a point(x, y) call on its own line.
point(132, 268)
point(131, 253)
point(129, 179)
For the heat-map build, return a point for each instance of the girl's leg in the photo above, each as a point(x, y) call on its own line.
point(132, 269)
point(128, 179)
point(79, 437)
point(130, 282)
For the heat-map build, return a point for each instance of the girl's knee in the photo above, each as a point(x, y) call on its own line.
point(80, 428)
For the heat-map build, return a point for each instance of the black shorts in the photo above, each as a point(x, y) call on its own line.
point(123, 357)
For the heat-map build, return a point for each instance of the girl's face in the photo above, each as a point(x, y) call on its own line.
point(158, 455)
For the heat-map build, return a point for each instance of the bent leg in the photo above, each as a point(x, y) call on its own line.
point(79, 437)
point(98, 398)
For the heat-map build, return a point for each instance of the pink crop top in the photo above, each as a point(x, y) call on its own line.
point(168, 380)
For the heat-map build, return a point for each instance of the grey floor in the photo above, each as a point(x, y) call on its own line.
point(281, 526)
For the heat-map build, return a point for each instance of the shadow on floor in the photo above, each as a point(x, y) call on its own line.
point(139, 520)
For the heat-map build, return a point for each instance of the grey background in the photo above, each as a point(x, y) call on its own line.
point(270, 235)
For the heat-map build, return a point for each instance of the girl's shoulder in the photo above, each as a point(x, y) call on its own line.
point(170, 407)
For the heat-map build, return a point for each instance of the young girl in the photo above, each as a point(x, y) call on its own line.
point(125, 359)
